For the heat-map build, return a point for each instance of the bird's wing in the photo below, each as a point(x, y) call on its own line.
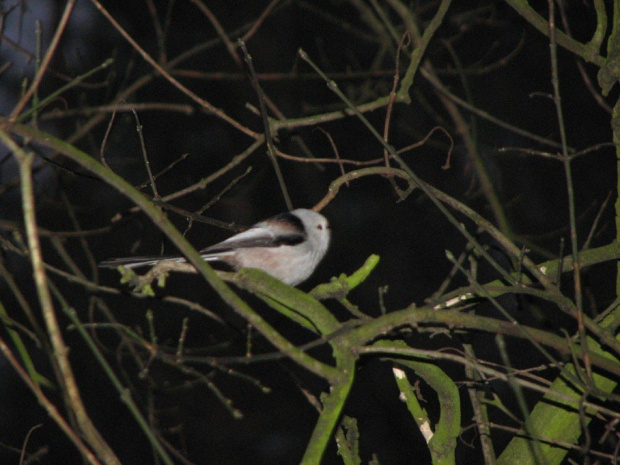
point(257, 236)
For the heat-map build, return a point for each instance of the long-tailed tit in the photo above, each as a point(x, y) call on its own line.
point(288, 246)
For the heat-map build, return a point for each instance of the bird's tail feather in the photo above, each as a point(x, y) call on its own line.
point(135, 262)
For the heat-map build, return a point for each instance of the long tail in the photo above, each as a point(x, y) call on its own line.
point(135, 262)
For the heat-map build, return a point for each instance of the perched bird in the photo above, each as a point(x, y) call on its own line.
point(288, 246)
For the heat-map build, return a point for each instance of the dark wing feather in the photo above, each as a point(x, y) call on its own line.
point(257, 237)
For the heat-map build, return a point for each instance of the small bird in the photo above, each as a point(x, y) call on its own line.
point(288, 246)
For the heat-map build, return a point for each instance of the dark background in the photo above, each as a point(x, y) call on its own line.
point(506, 68)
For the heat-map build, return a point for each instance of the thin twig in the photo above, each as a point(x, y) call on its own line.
point(404, 42)
point(534, 446)
point(164, 170)
point(118, 107)
point(106, 136)
point(61, 351)
point(62, 24)
point(268, 139)
point(232, 51)
point(217, 197)
point(419, 183)
point(260, 20)
point(49, 407)
point(204, 182)
point(202, 102)
point(476, 397)
point(483, 114)
point(159, 31)
point(338, 160)
point(374, 161)
point(124, 394)
point(145, 157)
point(555, 81)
